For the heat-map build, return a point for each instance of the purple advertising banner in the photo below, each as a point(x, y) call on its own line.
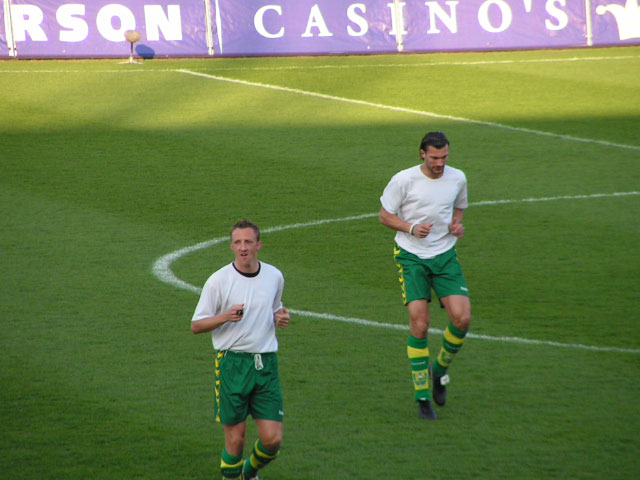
point(302, 27)
point(493, 24)
point(55, 28)
point(272, 27)
point(615, 22)
point(174, 28)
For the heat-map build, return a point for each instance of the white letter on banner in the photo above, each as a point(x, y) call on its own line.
point(78, 28)
point(259, 24)
point(505, 11)
point(27, 18)
point(394, 18)
point(560, 15)
point(316, 20)
point(450, 21)
point(156, 20)
point(103, 22)
point(357, 19)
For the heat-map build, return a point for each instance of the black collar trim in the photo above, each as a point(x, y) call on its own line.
point(249, 275)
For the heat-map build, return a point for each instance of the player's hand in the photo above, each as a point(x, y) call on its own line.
point(456, 229)
point(282, 318)
point(236, 312)
point(421, 230)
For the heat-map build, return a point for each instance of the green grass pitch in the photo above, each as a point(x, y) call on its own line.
point(106, 168)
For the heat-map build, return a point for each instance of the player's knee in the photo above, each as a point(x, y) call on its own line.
point(235, 443)
point(462, 321)
point(272, 440)
point(418, 322)
point(419, 326)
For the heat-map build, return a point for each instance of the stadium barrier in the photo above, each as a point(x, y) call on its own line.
point(178, 28)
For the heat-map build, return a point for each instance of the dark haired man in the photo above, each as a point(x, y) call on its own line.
point(425, 205)
point(241, 304)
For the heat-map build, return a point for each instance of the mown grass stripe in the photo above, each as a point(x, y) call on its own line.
point(407, 110)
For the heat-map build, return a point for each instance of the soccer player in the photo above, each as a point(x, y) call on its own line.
point(241, 305)
point(425, 205)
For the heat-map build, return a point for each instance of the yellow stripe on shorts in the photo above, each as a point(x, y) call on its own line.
point(396, 252)
point(217, 385)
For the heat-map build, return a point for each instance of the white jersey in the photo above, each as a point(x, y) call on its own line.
point(416, 198)
point(261, 295)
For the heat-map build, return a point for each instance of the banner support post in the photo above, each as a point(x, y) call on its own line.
point(399, 24)
point(587, 20)
point(8, 28)
point(207, 20)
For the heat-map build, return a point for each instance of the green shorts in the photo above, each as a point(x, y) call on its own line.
point(247, 383)
point(418, 276)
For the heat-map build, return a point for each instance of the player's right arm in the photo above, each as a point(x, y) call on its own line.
point(207, 324)
point(393, 197)
point(394, 222)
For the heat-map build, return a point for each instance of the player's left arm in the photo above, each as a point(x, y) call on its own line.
point(456, 228)
point(282, 317)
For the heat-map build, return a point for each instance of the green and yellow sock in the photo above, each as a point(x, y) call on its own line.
point(418, 353)
point(230, 465)
point(260, 458)
point(452, 341)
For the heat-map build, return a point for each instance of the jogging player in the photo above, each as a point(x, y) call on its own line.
point(241, 305)
point(425, 205)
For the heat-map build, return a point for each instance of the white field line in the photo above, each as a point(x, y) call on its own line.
point(124, 70)
point(470, 63)
point(162, 270)
point(406, 110)
point(371, 323)
point(549, 199)
point(424, 64)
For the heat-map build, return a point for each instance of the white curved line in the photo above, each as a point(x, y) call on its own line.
point(162, 271)
point(394, 326)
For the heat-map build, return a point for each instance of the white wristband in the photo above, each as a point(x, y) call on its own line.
point(411, 229)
